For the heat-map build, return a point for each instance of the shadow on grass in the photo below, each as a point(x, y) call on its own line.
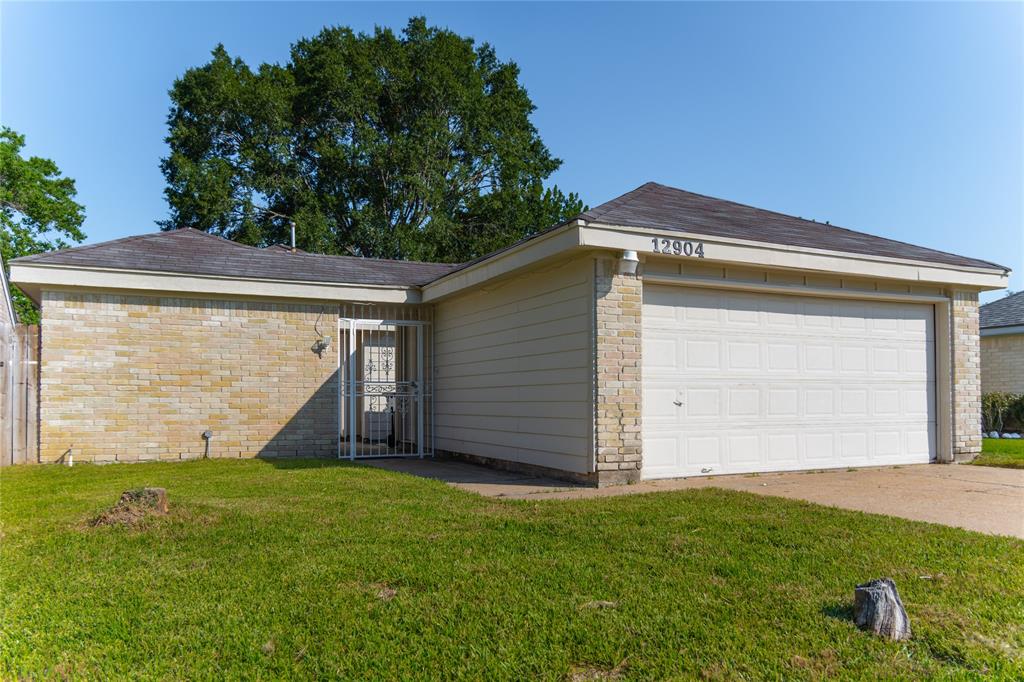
point(839, 610)
point(306, 462)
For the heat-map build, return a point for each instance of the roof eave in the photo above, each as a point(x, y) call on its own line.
point(985, 278)
point(36, 277)
point(1003, 329)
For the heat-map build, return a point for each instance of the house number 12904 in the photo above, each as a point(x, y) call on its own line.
point(678, 247)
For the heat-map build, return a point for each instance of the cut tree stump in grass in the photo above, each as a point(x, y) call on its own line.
point(877, 607)
point(133, 507)
point(154, 498)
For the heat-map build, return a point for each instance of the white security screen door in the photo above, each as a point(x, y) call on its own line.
point(384, 391)
point(737, 382)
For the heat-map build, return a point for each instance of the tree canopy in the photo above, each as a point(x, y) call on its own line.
point(413, 146)
point(38, 211)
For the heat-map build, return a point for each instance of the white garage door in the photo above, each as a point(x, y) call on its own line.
point(741, 382)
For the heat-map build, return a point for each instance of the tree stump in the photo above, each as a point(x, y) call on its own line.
point(134, 507)
point(877, 607)
point(152, 498)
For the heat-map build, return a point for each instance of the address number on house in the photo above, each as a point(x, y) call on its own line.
point(678, 247)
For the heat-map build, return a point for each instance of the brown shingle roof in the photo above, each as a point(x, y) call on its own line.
point(1006, 312)
point(192, 252)
point(189, 251)
point(667, 208)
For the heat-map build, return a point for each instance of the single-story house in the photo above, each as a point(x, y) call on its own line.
point(661, 334)
point(1002, 345)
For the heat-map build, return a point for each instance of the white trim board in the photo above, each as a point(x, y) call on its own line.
point(763, 254)
point(34, 278)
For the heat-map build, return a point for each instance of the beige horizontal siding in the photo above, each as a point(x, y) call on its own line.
point(513, 369)
point(1002, 363)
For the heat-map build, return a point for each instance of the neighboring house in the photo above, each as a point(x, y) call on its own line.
point(746, 341)
point(8, 316)
point(1002, 345)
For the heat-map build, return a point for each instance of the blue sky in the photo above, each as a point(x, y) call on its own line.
point(903, 120)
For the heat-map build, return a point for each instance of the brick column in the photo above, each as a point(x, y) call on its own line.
point(617, 422)
point(966, 351)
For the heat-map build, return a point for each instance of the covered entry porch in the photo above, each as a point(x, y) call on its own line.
point(385, 386)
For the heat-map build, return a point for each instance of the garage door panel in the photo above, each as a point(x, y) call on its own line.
point(819, 401)
point(920, 443)
point(705, 306)
point(783, 403)
point(661, 354)
point(783, 356)
point(743, 450)
point(743, 402)
point(783, 449)
point(819, 447)
point(819, 357)
point(661, 454)
point(777, 382)
point(885, 402)
point(701, 354)
point(661, 404)
point(853, 358)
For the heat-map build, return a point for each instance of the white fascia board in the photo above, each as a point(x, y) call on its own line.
point(522, 255)
point(1000, 331)
point(35, 278)
point(751, 253)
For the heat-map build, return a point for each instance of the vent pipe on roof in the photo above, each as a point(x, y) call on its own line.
point(292, 222)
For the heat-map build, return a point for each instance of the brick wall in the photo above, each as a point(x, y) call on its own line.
point(128, 378)
point(966, 376)
point(617, 418)
point(1002, 363)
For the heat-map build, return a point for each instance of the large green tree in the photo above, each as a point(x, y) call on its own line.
point(38, 211)
point(411, 146)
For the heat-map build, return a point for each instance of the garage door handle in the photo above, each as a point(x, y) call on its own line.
point(677, 403)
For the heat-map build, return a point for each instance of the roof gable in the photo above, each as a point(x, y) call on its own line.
point(1006, 312)
point(188, 251)
point(667, 208)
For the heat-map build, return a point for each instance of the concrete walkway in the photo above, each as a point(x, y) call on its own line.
point(984, 499)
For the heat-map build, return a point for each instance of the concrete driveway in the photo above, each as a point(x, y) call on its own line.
point(984, 499)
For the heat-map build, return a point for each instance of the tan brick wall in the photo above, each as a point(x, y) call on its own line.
point(617, 416)
point(966, 375)
point(128, 378)
point(1002, 363)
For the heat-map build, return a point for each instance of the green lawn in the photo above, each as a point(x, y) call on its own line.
point(999, 452)
point(310, 569)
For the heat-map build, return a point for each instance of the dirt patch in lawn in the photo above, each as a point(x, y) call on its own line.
point(134, 507)
point(585, 673)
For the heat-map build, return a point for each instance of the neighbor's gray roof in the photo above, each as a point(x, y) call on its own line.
point(1006, 312)
point(667, 208)
point(192, 252)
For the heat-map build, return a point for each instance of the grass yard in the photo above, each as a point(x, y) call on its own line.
point(1000, 452)
point(314, 569)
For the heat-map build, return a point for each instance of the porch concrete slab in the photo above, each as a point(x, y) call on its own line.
point(983, 499)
